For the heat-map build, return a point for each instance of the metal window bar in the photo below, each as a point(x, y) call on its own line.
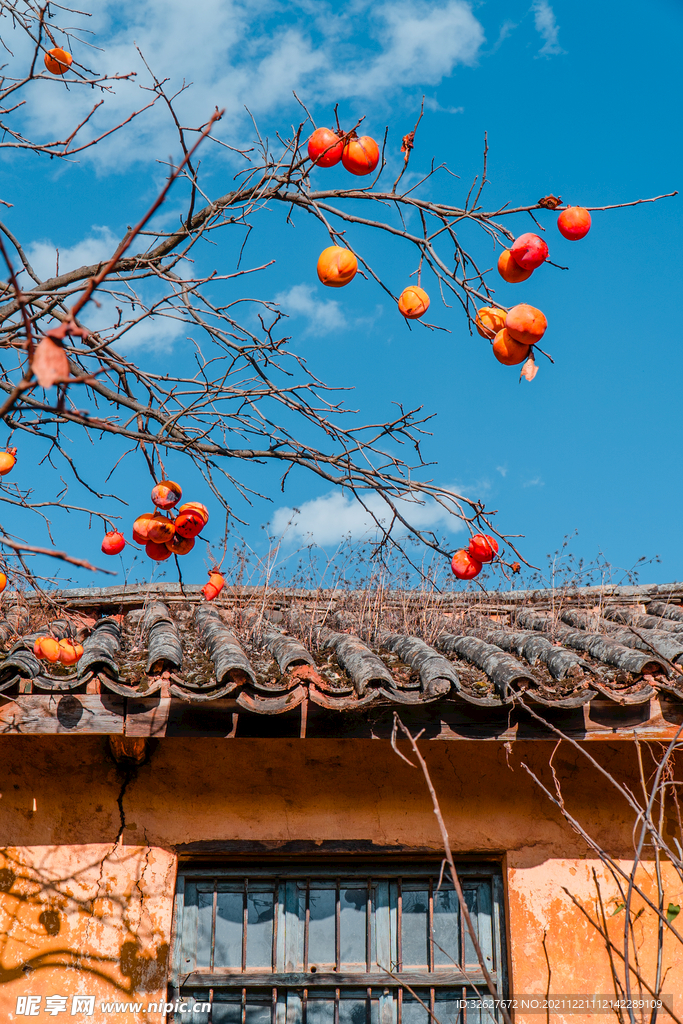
point(431, 978)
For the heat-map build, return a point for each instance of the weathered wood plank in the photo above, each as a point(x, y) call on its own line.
point(147, 716)
point(376, 979)
point(36, 714)
point(110, 714)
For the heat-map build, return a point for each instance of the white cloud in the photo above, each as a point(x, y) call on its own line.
point(247, 52)
point(422, 43)
point(547, 28)
point(100, 245)
point(322, 315)
point(156, 333)
point(536, 482)
point(334, 516)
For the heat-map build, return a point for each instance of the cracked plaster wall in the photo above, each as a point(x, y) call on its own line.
point(108, 881)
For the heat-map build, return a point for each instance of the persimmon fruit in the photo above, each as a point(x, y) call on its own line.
point(69, 652)
point(179, 545)
point(574, 223)
point(508, 351)
point(511, 271)
point(3, 581)
point(141, 526)
point(336, 266)
point(325, 147)
point(113, 542)
point(8, 461)
point(529, 251)
point(58, 61)
point(157, 552)
point(212, 589)
point(166, 494)
point(464, 566)
point(189, 524)
point(361, 155)
point(413, 302)
point(46, 648)
point(483, 547)
point(489, 321)
point(526, 324)
point(160, 529)
point(196, 506)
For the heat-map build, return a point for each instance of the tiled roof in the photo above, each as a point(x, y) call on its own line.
point(344, 661)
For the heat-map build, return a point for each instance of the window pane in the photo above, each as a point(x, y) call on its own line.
point(321, 945)
point(446, 928)
point(353, 903)
point(204, 914)
point(414, 927)
point(414, 1013)
point(320, 1009)
point(260, 906)
point(353, 1011)
point(229, 918)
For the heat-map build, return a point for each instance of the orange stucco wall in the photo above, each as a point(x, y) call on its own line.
point(81, 912)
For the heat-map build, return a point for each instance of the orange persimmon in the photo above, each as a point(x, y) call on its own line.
point(69, 652)
point(160, 529)
point(58, 61)
point(213, 588)
point(179, 545)
point(509, 270)
point(483, 547)
point(46, 648)
point(113, 542)
point(464, 566)
point(196, 506)
point(529, 251)
point(157, 552)
point(336, 266)
point(526, 324)
point(489, 321)
point(3, 581)
point(141, 526)
point(413, 302)
point(8, 461)
point(361, 155)
point(189, 524)
point(574, 223)
point(166, 494)
point(508, 351)
point(325, 147)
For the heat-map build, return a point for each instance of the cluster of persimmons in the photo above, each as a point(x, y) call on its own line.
point(337, 266)
point(163, 535)
point(514, 333)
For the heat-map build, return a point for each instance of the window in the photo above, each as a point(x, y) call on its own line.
point(331, 944)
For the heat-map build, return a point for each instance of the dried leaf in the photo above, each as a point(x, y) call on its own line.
point(516, 567)
point(529, 369)
point(50, 363)
point(408, 142)
point(67, 328)
point(550, 202)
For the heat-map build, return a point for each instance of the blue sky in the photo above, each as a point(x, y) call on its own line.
point(578, 99)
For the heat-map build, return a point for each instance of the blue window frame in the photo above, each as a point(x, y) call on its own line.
point(342, 943)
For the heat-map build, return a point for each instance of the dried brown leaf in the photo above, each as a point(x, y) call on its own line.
point(50, 363)
point(529, 369)
point(550, 202)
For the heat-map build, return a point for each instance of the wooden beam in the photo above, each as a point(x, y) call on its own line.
point(38, 714)
point(444, 721)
